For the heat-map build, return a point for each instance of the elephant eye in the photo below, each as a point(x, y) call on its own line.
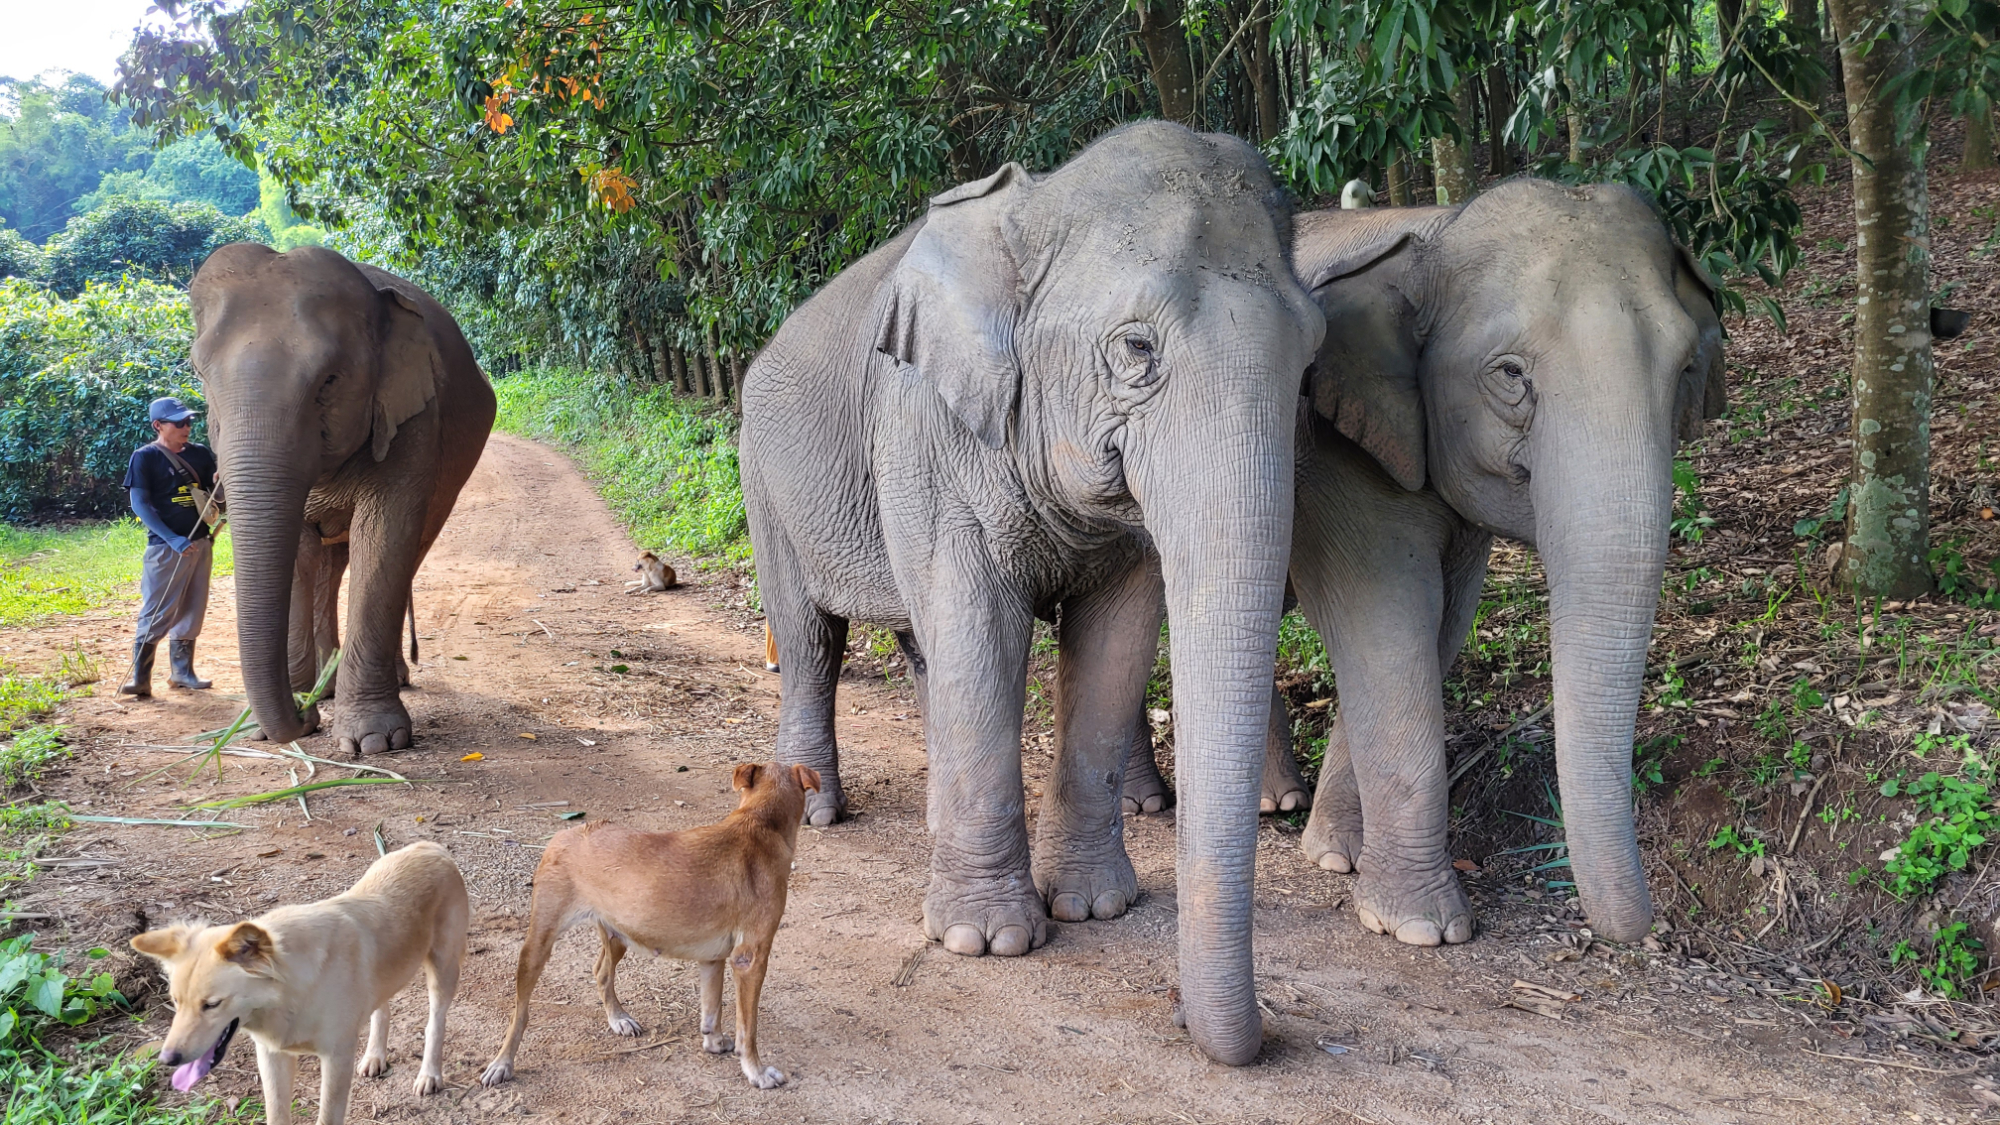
point(1512, 369)
point(1141, 347)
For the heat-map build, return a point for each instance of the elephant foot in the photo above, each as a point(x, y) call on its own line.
point(1081, 887)
point(1145, 790)
point(1332, 839)
point(1433, 914)
point(1284, 784)
point(829, 805)
point(1001, 915)
point(310, 717)
point(371, 730)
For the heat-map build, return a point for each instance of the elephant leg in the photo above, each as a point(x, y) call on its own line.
point(811, 645)
point(383, 550)
point(300, 628)
point(1332, 837)
point(915, 659)
point(1145, 790)
point(326, 613)
point(1284, 784)
point(974, 637)
point(1107, 642)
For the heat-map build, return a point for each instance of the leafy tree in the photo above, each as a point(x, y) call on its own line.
point(195, 170)
point(142, 238)
point(18, 256)
point(56, 145)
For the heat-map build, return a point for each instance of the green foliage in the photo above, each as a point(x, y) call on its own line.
point(1690, 521)
point(1649, 760)
point(140, 238)
point(57, 143)
point(1748, 847)
point(75, 378)
point(29, 753)
point(1954, 960)
point(18, 256)
point(665, 466)
point(1961, 581)
point(194, 170)
point(35, 991)
point(47, 816)
point(1953, 815)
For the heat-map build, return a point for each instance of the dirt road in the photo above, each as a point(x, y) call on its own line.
point(639, 707)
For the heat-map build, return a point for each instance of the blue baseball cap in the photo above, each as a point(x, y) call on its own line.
point(168, 410)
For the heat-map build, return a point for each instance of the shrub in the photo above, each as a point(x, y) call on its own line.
point(18, 256)
point(143, 238)
point(75, 378)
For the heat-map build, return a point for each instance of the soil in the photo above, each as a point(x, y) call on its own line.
point(580, 699)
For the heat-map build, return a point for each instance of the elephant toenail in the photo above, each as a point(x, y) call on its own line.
point(350, 748)
point(823, 816)
point(1128, 806)
point(1460, 930)
point(1109, 904)
point(965, 940)
point(374, 744)
point(1334, 861)
point(399, 739)
point(1369, 921)
point(1419, 931)
point(1069, 906)
point(1155, 804)
point(1293, 801)
point(1011, 941)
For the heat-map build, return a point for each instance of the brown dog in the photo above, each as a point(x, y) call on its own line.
point(303, 980)
point(705, 894)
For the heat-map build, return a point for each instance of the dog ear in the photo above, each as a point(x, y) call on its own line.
point(746, 775)
point(247, 945)
point(164, 944)
point(808, 777)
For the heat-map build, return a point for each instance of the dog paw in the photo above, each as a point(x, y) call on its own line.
point(428, 1083)
point(373, 1066)
point(497, 1071)
point(717, 1044)
point(623, 1025)
point(766, 1078)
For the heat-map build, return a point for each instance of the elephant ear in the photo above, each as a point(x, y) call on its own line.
point(411, 366)
point(1703, 392)
point(954, 300)
point(1365, 379)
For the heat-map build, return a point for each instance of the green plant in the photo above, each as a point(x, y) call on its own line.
point(1953, 815)
point(1954, 960)
point(1689, 523)
point(1745, 846)
point(1711, 767)
point(1961, 581)
point(47, 572)
point(29, 752)
point(1673, 687)
point(33, 987)
point(1649, 760)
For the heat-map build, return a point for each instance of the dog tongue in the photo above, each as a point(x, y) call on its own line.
point(187, 1074)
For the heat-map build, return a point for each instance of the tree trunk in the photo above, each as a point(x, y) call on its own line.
point(1166, 46)
point(1888, 510)
point(677, 363)
point(717, 389)
point(1399, 182)
point(1978, 139)
point(1456, 178)
point(736, 379)
point(1499, 107)
point(1803, 18)
point(1264, 76)
point(1686, 85)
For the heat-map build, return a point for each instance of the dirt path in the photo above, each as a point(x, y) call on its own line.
point(525, 623)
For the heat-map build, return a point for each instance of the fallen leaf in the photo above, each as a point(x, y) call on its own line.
point(528, 736)
point(1545, 991)
point(573, 815)
point(461, 658)
point(475, 756)
point(269, 853)
point(1466, 865)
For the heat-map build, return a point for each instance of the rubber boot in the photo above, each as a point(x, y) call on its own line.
point(180, 657)
point(141, 683)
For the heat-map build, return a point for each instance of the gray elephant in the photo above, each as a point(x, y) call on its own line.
point(1067, 396)
point(347, 412)
point(1521, 365)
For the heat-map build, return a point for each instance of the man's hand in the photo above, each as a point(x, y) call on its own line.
point(180, 544)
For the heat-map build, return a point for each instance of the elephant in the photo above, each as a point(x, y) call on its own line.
point(347, 412)
point(1521, 365)
point(1066, 396)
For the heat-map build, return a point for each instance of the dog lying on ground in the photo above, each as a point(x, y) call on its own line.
point(301, 980)
point(707, 894)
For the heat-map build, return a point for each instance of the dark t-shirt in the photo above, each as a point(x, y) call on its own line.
point(168, 487)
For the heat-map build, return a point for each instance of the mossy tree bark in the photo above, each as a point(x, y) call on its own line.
point(1888, 511)
point(1456, 178)
point(1165, 40)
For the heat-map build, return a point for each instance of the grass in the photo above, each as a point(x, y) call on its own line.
point(666, 466)
point(45, 572)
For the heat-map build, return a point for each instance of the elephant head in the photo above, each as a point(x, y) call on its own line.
point(1533, 357)
point(1129, 331)
point(307, 365)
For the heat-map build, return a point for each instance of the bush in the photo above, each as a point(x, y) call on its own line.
point(665, 465)
point(75, 378)
point(18, 256)
point(143, 238)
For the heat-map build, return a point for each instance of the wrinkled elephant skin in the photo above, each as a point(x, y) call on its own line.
point(1068, 395)
point(347, 412)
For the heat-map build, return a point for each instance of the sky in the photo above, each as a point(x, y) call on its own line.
point(85, 36)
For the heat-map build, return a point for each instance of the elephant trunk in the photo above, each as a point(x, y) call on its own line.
point(266, 512)
point(1222, 525)
point(1601, 531)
